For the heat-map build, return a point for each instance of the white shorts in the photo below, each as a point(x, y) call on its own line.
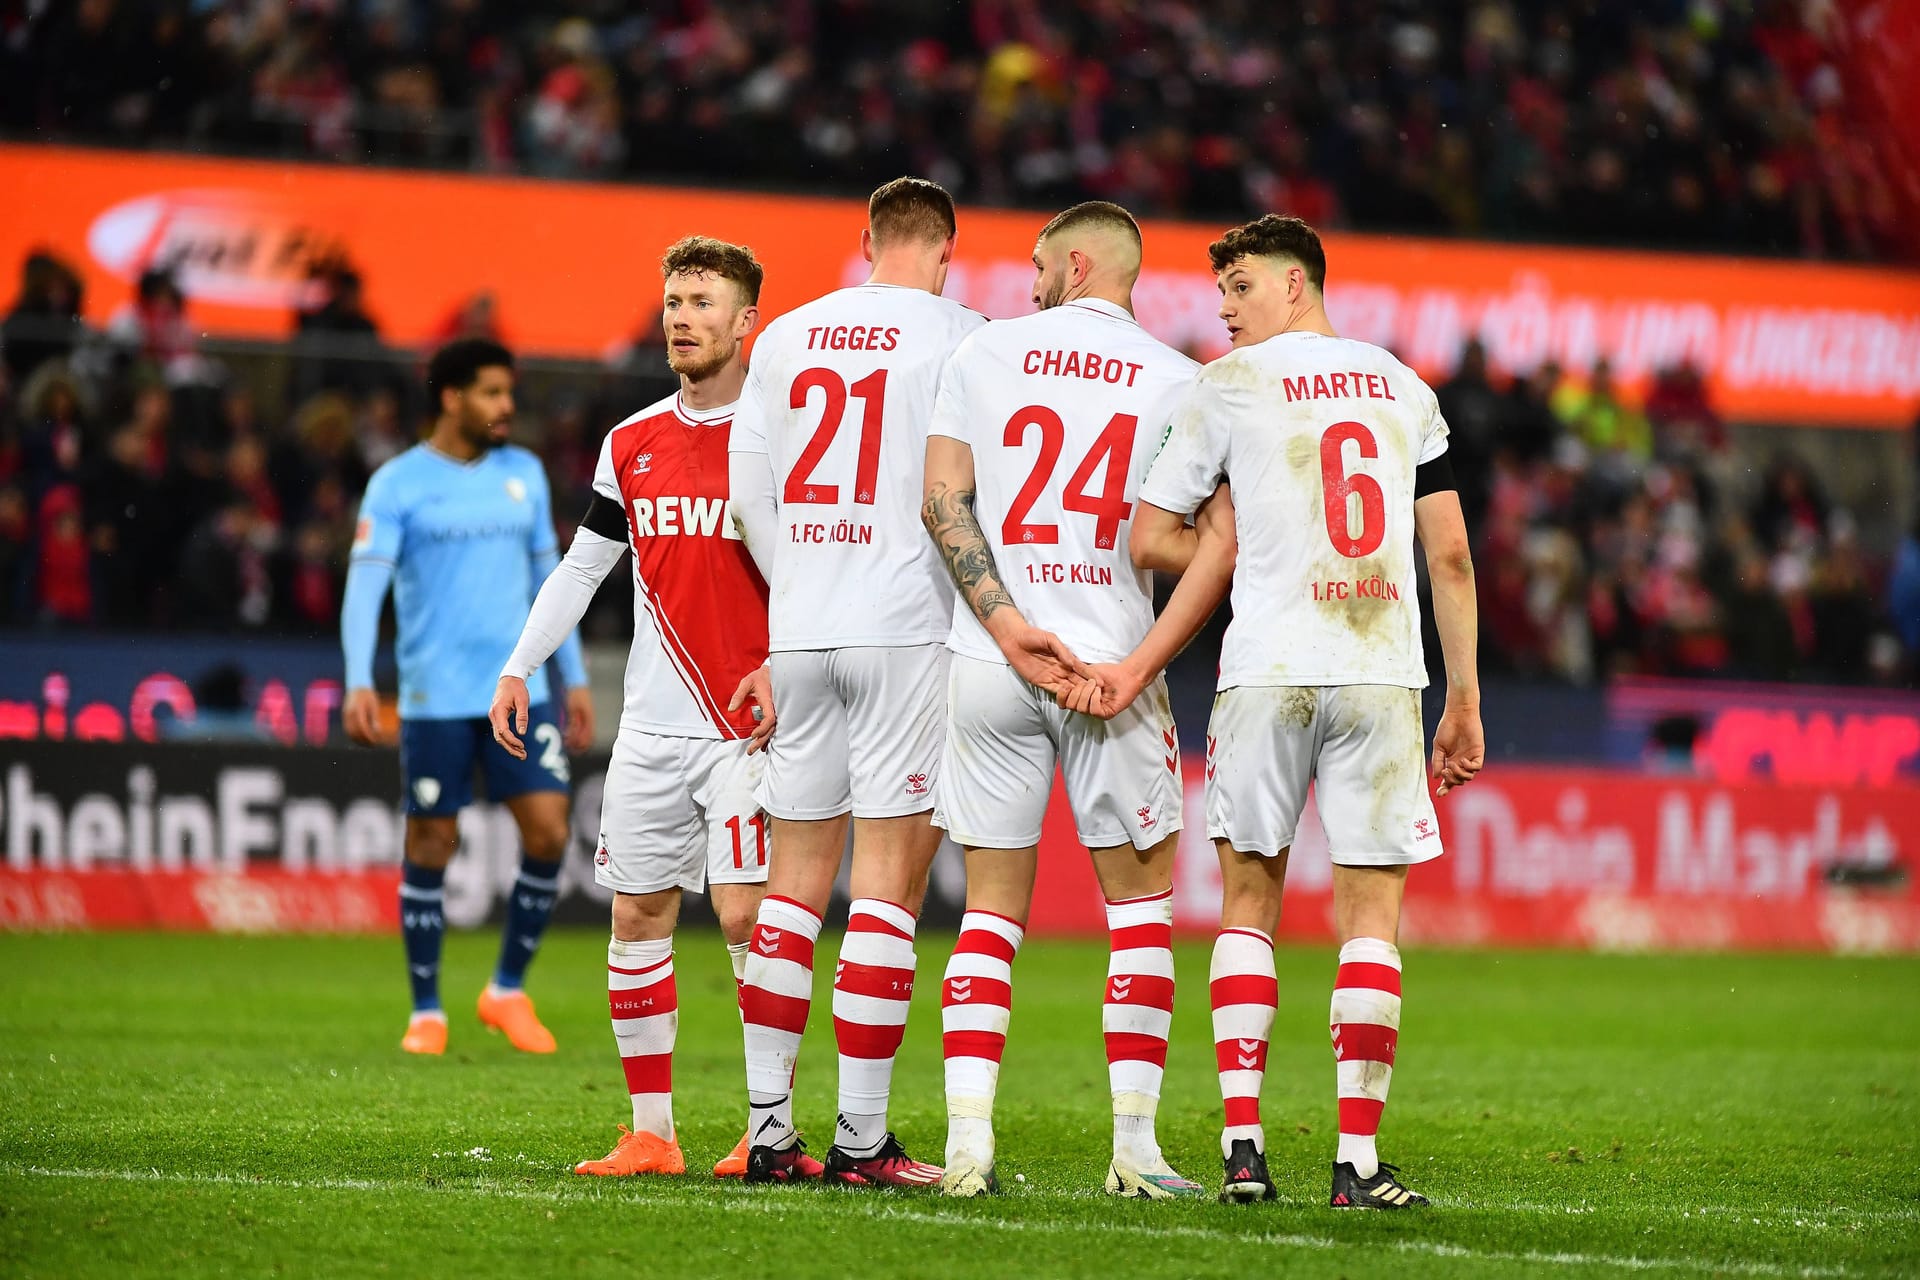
point(1362, 745)
point(860, 730)
point(680, 812)
point(1003, 738)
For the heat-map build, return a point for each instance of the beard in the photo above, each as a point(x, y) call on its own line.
point(1052, 297)
point(699, 364)
point(484, 435)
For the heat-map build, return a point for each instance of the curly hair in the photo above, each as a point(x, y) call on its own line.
point(703, 255)
point(1272, 236)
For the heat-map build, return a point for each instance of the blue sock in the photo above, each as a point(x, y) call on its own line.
point(423, 924)
point(528, 907)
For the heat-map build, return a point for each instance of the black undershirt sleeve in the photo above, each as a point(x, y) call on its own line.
point(1429, 477)
point(607, 518)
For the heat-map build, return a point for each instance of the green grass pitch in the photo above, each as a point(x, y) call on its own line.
point(219, 1106)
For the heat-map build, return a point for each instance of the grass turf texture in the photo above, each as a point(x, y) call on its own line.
point(198, 1105)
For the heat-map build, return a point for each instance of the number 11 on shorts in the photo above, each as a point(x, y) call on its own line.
point(759, 824)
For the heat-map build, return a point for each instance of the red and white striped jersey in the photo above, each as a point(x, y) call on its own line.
point(699, 605)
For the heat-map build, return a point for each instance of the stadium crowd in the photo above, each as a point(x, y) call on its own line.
point(1715, 124)
point(144, 484)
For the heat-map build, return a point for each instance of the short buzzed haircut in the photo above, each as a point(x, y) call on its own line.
point(457, 366)
point(1094, 215)
point(703, 255)
point(1273, 236)
point(909, 210)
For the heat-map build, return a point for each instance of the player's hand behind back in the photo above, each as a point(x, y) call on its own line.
point(360, 717)
point(1459, 748)
point(1042, 659)
point(508, 715)
point(1106, 692)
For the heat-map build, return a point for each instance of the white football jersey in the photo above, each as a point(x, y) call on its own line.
point(1319, 438)
point(1062, 410)
point(838, 399)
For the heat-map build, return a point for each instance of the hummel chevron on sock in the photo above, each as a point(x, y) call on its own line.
point(976, 1004)
point(423, 926)
point(775, 995)
point(529, 907)
point(645, 1007)
point(872, 990)
point(1365, 1021)
point(1244, 993)
point(1136, 1016)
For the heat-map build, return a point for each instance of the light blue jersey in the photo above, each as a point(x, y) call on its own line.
point(466, 545)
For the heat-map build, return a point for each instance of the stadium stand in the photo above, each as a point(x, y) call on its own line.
point(1715, 125)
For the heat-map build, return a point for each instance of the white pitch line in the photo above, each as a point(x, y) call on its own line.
point(849, 1206)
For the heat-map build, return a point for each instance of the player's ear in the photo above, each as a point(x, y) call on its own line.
point(1080, 266)
point(866, 243)
point(946, 249)
point(745, 322)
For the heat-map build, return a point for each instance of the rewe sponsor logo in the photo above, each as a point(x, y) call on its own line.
point(232, 247)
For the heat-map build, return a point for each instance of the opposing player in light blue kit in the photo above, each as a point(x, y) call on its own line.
point(462, 526)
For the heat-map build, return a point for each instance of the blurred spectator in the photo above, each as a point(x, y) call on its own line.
point(45, 321)
point(1903, 591)
point(1594, 412)
point(154, 328)
point(63, 588)
point(16, 544)
point(53, 436)
point(1473, 410)
point(1685, 424)
point(225, 573)
point(337, 342)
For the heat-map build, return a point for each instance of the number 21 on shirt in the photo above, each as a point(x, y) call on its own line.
point(871, 391)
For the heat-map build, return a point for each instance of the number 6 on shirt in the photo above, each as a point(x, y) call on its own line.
point(1336, 486)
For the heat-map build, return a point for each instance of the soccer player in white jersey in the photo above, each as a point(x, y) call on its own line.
point(826, 467)
point(1335, 454)
point(679, 809)
point(1044, 426)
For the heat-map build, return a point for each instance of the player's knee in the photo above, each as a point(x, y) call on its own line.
point(737, 918)
point(639, 917)
point(546, 841)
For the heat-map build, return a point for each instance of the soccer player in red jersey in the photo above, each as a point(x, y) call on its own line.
point(1335, 454)
point(679, 811)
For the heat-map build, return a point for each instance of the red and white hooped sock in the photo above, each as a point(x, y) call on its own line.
point(872, 991)
point(976, 1004)
point(775, 996)
point(1245, 994)
point(1365, 1021)
point(1137, 1016)
point(645, 1007)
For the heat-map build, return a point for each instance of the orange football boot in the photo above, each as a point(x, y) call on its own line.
point(512, 1012)
point(426, 1033)
point(734, 1163)
point(637, 1153)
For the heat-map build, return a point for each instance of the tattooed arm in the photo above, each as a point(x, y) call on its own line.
point(1037, 656)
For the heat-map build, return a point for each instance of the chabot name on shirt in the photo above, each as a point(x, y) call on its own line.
point(676, 516)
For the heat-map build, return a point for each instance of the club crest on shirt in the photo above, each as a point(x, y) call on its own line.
point(363, 533)
point(516, 488)
point(600, 857)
